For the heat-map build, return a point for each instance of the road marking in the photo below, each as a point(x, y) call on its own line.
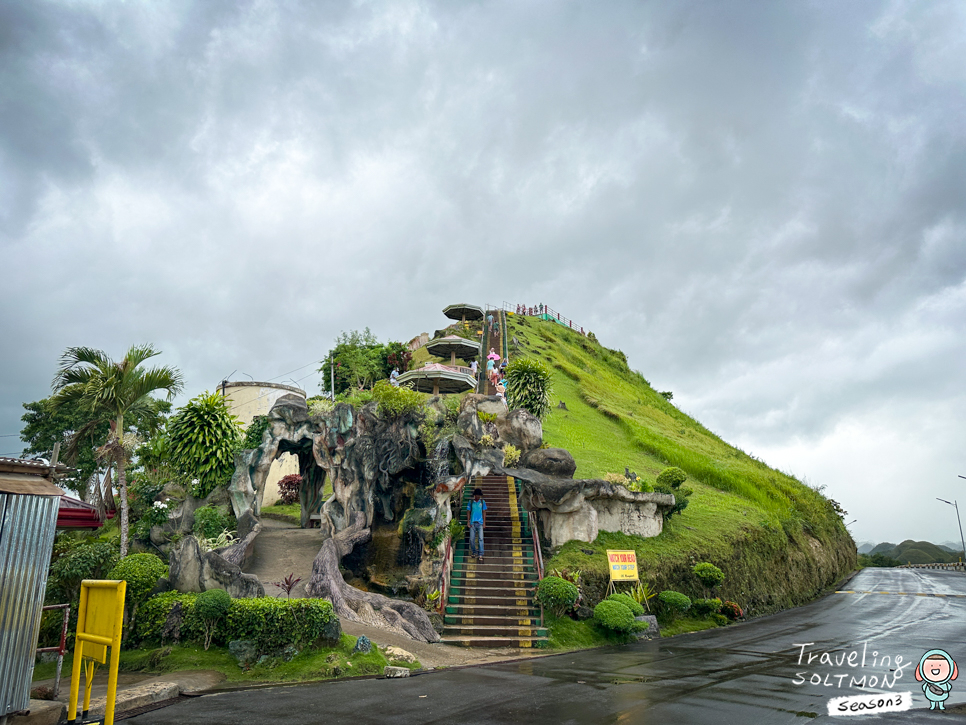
point(905, 594)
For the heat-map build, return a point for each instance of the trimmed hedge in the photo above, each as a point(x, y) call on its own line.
point(704, 607)
point(267, 622)
point(674, 602)
point(141, 572)
point(556, 594)
point(628, 601)
point(708, 574)
point(614, 615)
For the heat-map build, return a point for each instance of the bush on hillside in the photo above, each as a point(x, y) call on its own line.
point(719, 619)
point(673, 603)
point(708, 574)
point(529, 385)
point(704, 607)
point(396, 402)
point(556, 594)
point(628, 601)
point(672, 477)
point(680, 498)
point(614, 615)
point(511, 455)
point(731, 610)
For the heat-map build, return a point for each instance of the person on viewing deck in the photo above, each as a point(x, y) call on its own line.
point(476, 514)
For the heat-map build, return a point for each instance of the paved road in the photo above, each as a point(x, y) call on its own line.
point(740, 674)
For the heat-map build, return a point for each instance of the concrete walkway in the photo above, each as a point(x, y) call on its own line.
point(282, 549)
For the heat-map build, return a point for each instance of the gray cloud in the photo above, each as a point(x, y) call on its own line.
point(763, 205)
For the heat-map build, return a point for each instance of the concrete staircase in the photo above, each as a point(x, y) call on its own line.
point(493, 604)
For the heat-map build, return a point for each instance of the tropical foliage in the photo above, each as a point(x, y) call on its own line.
point(360, 360)
point(529, 385)
point(204, 437)
point(107, 390)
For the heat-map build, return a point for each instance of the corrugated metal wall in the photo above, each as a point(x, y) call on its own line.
point(27, 527)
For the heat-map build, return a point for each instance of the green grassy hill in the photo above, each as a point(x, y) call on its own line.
point(919, 552)
point(779, 542)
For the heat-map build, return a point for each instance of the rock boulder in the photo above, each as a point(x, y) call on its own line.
point(556, 462)
point(520, 428)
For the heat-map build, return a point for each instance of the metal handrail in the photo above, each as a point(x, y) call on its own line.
point(537, 553)
point(547, 313)
point(62, 647)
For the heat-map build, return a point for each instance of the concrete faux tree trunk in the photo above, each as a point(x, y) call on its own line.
point(122, 481)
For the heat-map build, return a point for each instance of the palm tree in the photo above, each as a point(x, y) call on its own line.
point(110, 390)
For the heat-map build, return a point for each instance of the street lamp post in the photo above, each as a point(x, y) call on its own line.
point(955, 504)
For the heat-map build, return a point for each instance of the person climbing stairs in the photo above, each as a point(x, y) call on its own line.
point(493, 604)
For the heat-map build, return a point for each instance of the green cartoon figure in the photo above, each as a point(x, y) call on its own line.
point(935, 671)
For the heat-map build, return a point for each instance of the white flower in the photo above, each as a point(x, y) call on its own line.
point(160, 505)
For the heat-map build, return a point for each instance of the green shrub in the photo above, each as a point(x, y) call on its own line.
point(210, 522)
point(672, 477)
point(273, 623)
point(141, 572)
point(73, 561)
point(204, 437)
point(211, 606)
point(556, 594)
point(486, 440)
point(614, 615)
point(708, 574)
point(396, 402)
point(267, 622)
point(673, 603)
point(704, 607)
point(255, 431)
point(486, 417)
point(719, 619)
point(680, 498)
point(529, 385)
point(628, 601)
point(511, 455)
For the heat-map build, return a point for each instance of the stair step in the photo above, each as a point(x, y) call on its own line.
point(478, 620)
point(496, 631)
point(490, 641)
point(501, 602)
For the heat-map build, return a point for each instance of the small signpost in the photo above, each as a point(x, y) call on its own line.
point(623, 567)
point(99, 621)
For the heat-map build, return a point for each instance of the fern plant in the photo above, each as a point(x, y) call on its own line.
point(204, 436)
point(529, 385)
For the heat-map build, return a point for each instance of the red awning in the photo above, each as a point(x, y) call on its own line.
point(76, 514)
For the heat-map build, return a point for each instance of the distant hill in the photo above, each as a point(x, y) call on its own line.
point(916, 552)
point(865, 547)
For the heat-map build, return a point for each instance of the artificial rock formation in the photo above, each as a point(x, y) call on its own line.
point(361, 455)
point(554, 462)
point(580, 509)
point(192, 570)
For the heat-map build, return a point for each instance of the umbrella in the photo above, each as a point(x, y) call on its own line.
point(492, 356)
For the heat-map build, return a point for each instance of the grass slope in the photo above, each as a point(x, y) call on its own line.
point(778, 541)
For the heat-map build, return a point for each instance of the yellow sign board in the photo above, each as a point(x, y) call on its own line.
point(622, 565)
point(99, 622)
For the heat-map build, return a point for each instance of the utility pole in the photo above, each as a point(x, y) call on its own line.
point(958, 520)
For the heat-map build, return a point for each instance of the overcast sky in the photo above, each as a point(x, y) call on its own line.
point(762, 204)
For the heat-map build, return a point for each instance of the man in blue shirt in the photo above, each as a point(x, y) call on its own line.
point(476, 514)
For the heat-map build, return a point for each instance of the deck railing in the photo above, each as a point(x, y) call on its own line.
point(62, 647)
point(443, 587)
point(544, 313)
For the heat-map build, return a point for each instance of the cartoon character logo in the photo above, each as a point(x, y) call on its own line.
point(935, 671)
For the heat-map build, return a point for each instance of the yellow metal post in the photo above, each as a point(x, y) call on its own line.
point(99, 625)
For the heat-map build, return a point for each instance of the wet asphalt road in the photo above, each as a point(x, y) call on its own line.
point(743, 674)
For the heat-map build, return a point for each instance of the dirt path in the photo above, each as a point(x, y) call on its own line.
point(282, 549)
